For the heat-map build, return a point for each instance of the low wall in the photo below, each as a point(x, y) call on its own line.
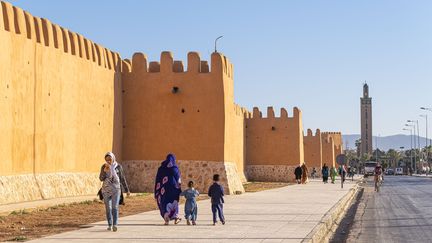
point(141, 175)
point(273, 173)
point(30, 187)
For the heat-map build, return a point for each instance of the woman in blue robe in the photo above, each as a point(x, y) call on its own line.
point(167, 189)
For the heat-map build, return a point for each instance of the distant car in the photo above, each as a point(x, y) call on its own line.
point(369, 167)
point(399, 171)
point(389, 172)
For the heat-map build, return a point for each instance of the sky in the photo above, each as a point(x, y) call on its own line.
point(315, 55)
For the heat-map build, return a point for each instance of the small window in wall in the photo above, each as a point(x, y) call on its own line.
point(366, 126)
point(366, 114)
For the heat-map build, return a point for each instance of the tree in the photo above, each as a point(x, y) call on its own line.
point(352, 157)
point(357, 144)
point(394, 157)
point(365, 157)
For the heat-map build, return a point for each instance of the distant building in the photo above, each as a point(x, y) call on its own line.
point(366, 121)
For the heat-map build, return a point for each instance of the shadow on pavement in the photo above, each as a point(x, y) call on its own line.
point(342, 232)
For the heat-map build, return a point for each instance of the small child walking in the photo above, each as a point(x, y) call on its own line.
point(191, 208)
point(216, 194)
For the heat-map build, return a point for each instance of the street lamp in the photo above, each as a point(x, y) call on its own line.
point(401, 151)
point(415, 122)
point(425, 116)
point(412, 126)
point(430, 142)
point(411, 157)
point(427, 109)
point(425, 154)
point(216, 42)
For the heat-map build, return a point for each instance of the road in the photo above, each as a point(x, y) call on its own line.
point(400, 212)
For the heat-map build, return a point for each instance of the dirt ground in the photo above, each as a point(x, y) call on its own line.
point(26, 225)
point(261, 186)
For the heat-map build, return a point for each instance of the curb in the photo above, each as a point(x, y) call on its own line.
point(421, 176)
point(330, 220)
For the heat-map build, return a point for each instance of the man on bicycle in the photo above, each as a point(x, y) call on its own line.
point(378, 175)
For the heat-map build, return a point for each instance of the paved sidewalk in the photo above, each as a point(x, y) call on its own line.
point(285, 214)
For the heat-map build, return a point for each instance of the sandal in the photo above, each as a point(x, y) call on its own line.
point(177, 220)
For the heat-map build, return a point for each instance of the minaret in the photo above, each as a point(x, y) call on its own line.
point(366, 121)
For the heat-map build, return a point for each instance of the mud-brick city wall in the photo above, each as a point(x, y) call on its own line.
point(274, 145)
point(190, 113)
point(313, 151)
point(337, 140)
point(328, 151)
point(334, 138)
point(58, 110)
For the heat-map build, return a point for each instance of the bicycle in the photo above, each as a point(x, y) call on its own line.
point(378, 182)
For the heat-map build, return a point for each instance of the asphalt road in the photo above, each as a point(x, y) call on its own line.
point(400, 212)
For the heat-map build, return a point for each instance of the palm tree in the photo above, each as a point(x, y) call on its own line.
point(394, 157)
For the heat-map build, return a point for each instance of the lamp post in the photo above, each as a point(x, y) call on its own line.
point(425, 153)
point(415, 122)
point(427, 109)
point(415, 145)
point(426, 139)
point(430, 142)
point(402, 154)
point(216, 42)
point(411, 157)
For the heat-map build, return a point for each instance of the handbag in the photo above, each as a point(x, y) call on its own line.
point(100, 195)
point(121, 201)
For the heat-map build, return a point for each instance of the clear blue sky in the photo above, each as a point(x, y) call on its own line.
point(310, 54)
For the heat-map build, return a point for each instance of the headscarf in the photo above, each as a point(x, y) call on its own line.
point(169, 162)
point(113, 166)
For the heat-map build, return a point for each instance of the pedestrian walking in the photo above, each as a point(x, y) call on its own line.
point(313, 175)
point(305, 173)
point(333, 173)
point(325, 173)
point(342, 172)
point(168, 189)
point(216, 193)
point(112, 176)
point(298, 174)
point(351, 172)
point(191, 207)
